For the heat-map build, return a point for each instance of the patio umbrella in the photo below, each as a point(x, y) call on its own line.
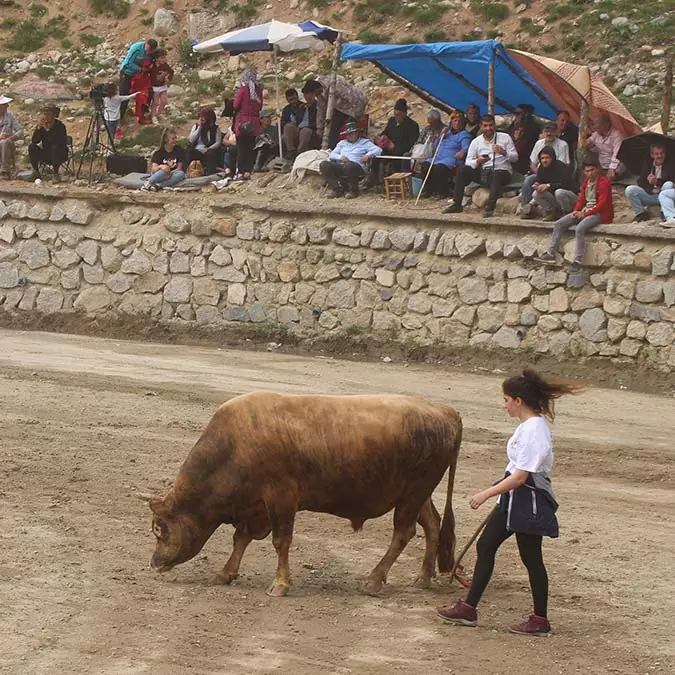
point(635, 149)
point(274, 36)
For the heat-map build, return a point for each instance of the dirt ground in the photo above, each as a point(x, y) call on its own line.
point(87, 422)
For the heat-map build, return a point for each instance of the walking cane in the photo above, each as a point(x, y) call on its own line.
point(457, 566)
point(431, 166)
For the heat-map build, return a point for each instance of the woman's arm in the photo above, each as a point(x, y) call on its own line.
point(217, 142)
point(515, 480)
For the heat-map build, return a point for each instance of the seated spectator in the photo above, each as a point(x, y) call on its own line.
point(489, 162)
point(267, 144)
point(658, 173)
point(569, 133)
point(167, 164)
point(452, 149)
point(349, 103)
point(300, 132)
point(472, 120)
point(205, 142)
point(433, 130)
point(520, 143)
point(49, 144)
point(10, 133)
point(400, 133)
point(229, 151)
point(561, 153)
point(667, 201)
point(554, 190)
point(348, 163)
point(524, 115)
point(606, 142)
point(594, 206)
point(293, 111)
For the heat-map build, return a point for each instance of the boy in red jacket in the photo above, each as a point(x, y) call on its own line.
point(141, 82)
point(593, 207)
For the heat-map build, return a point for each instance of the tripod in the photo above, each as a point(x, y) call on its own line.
point(95, 144)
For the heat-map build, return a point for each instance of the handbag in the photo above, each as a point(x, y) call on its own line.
point(422, 150)
point(246, 128)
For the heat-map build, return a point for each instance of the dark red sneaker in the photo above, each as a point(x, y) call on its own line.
point(460, 613)
point(535, 625)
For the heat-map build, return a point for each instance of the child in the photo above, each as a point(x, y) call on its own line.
point(112, 104)
point(526, 505)
point(161, 76)
point(267, 143)
point(141, 84)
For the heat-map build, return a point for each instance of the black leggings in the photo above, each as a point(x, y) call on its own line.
point(529, 547)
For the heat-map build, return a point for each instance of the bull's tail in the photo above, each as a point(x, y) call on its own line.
point(446, 544)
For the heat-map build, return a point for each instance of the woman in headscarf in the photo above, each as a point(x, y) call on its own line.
point(247, 106)
point(205, 141)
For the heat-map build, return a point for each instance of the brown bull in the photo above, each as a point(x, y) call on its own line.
point(263, 457)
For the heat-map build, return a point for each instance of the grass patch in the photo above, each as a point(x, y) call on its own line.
point(368, 36)
point(147, 136)
point(37, 10)
point(118, 9)
point(89, 40)
point(45, 72)
point(66, 43)
point(492, 11)
point(245, 11)
point(562, 10)
point(528, 26)
point(436, 35)
point(28, 37)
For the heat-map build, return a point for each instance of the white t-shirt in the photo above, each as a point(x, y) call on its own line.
point(531, 448)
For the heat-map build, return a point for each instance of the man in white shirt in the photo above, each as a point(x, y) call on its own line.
point(10, 132)
point(488, 162)
point(562, 153)
point(348, 162)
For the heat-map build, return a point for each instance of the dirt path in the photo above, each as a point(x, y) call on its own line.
point(86, 422)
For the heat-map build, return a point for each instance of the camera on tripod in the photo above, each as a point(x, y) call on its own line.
point(97, 93)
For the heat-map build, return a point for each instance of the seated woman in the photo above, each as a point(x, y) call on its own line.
point(167, 164)
point(205, 141)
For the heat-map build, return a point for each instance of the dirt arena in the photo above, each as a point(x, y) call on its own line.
point(86, 423)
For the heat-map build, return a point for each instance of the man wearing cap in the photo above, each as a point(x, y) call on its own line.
point(562, 154)
point(348, 163)
point(10, 132)
point(401, 130)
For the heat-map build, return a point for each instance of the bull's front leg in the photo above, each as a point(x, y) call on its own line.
point(242, 538)
point(282, 536)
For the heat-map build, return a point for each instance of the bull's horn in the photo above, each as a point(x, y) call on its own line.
point(145, 496)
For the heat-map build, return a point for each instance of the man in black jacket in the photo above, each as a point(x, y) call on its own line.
point(555, 192)
point(524, 115)
point(657, 170)
point(401, 130)
point(49, 144)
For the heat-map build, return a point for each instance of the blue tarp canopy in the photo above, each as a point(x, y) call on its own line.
point(451, 75)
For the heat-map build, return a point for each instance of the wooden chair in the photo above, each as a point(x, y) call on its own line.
point(398, 185)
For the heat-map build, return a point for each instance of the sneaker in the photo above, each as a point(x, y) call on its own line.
point(575, 267)
point(546, 258)
point(119, 134)
point(461, 613)
point(526, 212)
point(550, 217)
point(352, 194)
point(149, 187)
point(668, 223)
point(535, 625)
point(335, 194)
point(453, 208)
point(641, 217)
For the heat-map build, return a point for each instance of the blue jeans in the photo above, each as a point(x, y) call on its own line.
point(112, 127)
point(583, 225)
point(667, 200)
point(166, 179)
point(640, 199)
point(527, 190)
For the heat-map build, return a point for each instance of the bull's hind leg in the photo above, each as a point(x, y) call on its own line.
point(405, 517)
point(430, 520)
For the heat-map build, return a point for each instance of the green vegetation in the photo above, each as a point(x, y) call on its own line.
point(562, 10)
point(427, 12)
point(528, 26)
point(186, 55)
point(45, 72)
point(492, 11)
point(367, 36)
point(89, 40)
point(8, 24)
point(36, 10)
point(318, 4)
point(115, 8)
point(245, 10)
point(66, 43)
point(436, 35)
point(147, 136)
point(30, 35)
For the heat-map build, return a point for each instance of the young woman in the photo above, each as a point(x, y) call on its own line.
point(167, 164)
point(247, 105)
point(526, 504)
point(205, 141)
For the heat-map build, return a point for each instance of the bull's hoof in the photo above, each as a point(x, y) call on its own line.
point(226, 577)
point(373, 587)
point(422, 582)
point(278, 590)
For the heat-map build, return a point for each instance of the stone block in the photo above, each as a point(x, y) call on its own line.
point(141, 305)
point(647, 290)
point(327, 273)
point(467, 244)
point(344, 237)
point(418, 281)
point(200, 226)
point(7, 254)
point(228, 274)
point(444, 308)
point(341, 294)
point(320, 235)
point(404, 279)
point(111, 258)
point(518, 290)
point(558, 300)
point(446, 245)
point(472, 290)
point(587, 299)
point(591, 322)
point(548, 323)
point(559, 343)
point(178, 289)
point(93, 274)
point(629, 347)
point(364, 271)
point(9, 275)
point(626, 289)
point(454, 333)
point(198, 266)
point(220, 256)
point(207, 314)
point(152, 282)
point(411, 322)
point(493, 247)
point(328, 321)
point(119, 282)
point(236, 314)
point(615, 305)
point(490, 318)
point(622, 257)
point(511, 251)
point(7, 234)
point(403, 238)
point(516, 272)
point(661, 334)
point(225, 226)
point(506, 338)
point(528, 317)
point(239, 257)
point(17, 209)
point(540, 303)
point(465, 314)
point(643, 261)
point(434, 237)
point(93, 300)
point(70, 279)
point(636, 330)
point(48, 236)
point(481, 340)
point(247, 231)
point(179, 263)
point(512, 315)
point(27, 302)
point(34, 253)
point(385, 322)
point(12, 299)
point(88, 250)
point(281, 232)
point(420, 242)
point(132, 215)
point(669, 293)
point(380, 240)
point(419, 303)
point(616, 329)
point(288, 271)
point(385, 277)
point(139, 263)
point(497, 292)
point(528, 246)
point(236, 294)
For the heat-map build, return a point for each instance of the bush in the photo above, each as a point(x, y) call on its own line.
point(493, 11)
point(115, 8)
point(435, 35)
point(186, 55)
point(528, 26)
point(245, 11)
point(36, 10)
point(28, 37)
point(367, 36)
point(66, 43)
point(89, 40)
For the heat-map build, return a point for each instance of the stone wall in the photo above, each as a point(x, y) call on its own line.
point(406, 276)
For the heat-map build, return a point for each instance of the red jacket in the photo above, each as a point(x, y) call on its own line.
point(247, 110)
point(603, 193)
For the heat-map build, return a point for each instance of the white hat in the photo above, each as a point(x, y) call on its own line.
point(5, 99)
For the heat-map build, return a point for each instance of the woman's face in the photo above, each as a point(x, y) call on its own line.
point(171, 140)
point(513, 406)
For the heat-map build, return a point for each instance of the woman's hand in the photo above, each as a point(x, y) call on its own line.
point(478, 500)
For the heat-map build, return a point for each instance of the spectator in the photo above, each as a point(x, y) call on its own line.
point(348, 163)
point(299, 131)
point(10, 133)
point(555, 192)
point(205, 142)
point(567, 132)
point(49, 144)
point(247, 105)
point(452, 149)
point(667, 201)
point(349, 102)
point(112, 109)
point(141, 85)
point(167, 164)
point(293, 111)
point(594, 206)
point(561, 154)
point(606, 142)
point(524, 114)
point(401, 131)
point(489, 162)
point(267, 144)
point(522, 165)
point(433, 130)
point(161, 76)
point(472, 120)
point(138, 52)
point(657, 174)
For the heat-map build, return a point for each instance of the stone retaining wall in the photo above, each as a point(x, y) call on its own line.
point(201, 261)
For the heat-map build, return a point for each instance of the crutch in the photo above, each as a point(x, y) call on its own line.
point(431, 166)
point(457, 566)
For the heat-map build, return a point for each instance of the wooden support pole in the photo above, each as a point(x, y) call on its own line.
point(330, 104)
point(667, 101)
point(583, 131)
point(491, 88)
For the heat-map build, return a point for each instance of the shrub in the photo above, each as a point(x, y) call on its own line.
point(186, 55)
point(245, 10)
point(36, 10)
point(66, 43)
point(45, 72)
point(115, 8)
point(528, 26)
point(28, 36)
point(493, 11)
point(367, 36)
point(89, 40)
point(435, 35)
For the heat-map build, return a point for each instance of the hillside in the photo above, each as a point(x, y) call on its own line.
point(73, 43)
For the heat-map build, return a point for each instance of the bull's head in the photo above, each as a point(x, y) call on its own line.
point(180, 534)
